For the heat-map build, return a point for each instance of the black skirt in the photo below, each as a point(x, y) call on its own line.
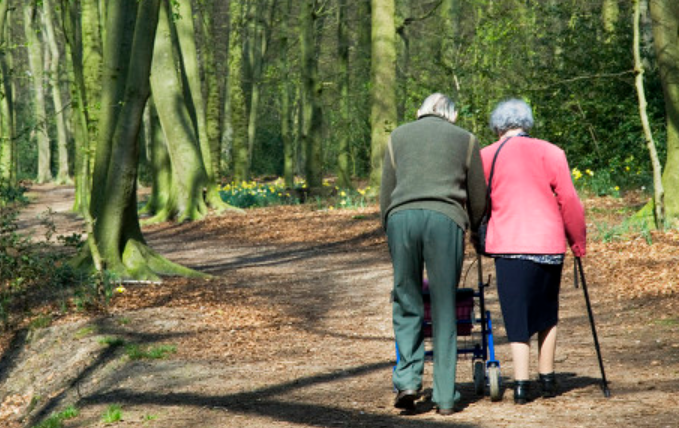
point(529, 296)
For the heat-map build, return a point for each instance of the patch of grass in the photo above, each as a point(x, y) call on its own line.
point(136, 352)
point(85, 331)
point(41, 321)
point(123, 321)
point(667, 322)
point(56, 420)
point(147, 418)
point(112, 341)
point(114, 413)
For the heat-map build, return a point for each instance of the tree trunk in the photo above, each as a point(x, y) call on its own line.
point(35, 60)
point(160, 163)
point(119, 29)
point(211, 15)
point(185, 199)
point(658, 191)
point(383, 94)
point(185, 196)
point(92, 73)
point(286, 99)
point(344, 154)
point(116, 234)
point(74, 48)
point(57, 80)
point(311, 97)
point(237, 112)
point(7, 141)
point(665, 15)
point(403, 13)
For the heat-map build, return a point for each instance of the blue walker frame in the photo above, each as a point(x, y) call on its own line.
point(487, 374)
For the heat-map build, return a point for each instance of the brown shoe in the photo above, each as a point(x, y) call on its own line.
point(406, 399)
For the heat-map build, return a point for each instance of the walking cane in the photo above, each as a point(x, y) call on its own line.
point(578, 266)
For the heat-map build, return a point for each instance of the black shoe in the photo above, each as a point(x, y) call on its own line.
point(548, 385)
point(521, 388)
point(406, 399)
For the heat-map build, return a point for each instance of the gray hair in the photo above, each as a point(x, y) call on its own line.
point(511, 114)
point(438, 104)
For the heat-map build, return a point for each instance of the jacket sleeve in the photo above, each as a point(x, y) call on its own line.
point(387, 185)
point(572, 211)
point(476, 189)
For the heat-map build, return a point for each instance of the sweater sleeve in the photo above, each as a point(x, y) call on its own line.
point(476, 189)
point(572, 211)
point(387, 185)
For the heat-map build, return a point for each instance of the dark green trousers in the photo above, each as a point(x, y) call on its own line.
point(419, 238)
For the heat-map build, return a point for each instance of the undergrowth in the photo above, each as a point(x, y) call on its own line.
point(37, 274)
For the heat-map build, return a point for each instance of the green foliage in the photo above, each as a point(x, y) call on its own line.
point(96, 290)
point(114, 413)
point(24, 266)
point(56, 420)
point(136, 352)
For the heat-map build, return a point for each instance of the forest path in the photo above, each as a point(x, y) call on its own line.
point(294, 330)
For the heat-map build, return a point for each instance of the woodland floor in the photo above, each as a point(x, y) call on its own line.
point(294, 330)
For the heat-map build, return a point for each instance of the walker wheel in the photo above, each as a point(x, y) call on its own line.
point(494, 381)
point(479, 377)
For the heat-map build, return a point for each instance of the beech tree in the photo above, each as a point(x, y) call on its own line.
point(115, 239)
point(36, 62)
point(311, 89)
point(383, 78)
point(7, 141)
point(665, 16)
point(181, 112)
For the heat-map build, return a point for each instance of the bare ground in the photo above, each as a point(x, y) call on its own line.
point(294, 330)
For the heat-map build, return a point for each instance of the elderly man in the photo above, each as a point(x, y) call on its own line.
point(433, 189)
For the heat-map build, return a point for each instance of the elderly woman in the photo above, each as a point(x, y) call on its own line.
point(535, 213)
point(432, 190)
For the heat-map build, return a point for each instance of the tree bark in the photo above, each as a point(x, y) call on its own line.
point(74, 51)
point(665, 16)
point(119, 29)
point(312, 114)
point(344, 153)
point(56, 81)
point(35, 60)
point(286, 99)
point(658, 191)
point(383, 77)
point(236, 110)
point(7, 141)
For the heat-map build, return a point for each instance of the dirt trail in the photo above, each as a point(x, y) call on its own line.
point(294, 331)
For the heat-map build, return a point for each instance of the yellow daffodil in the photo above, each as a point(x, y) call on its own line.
point(589, 172)
point(120, 289)
point(576, 173)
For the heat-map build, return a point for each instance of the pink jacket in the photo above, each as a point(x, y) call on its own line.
point(536, 209)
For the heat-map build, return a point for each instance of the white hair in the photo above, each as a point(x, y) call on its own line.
point(511, 114)
point(438, 104)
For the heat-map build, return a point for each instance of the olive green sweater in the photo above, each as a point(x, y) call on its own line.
point(434, 167)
